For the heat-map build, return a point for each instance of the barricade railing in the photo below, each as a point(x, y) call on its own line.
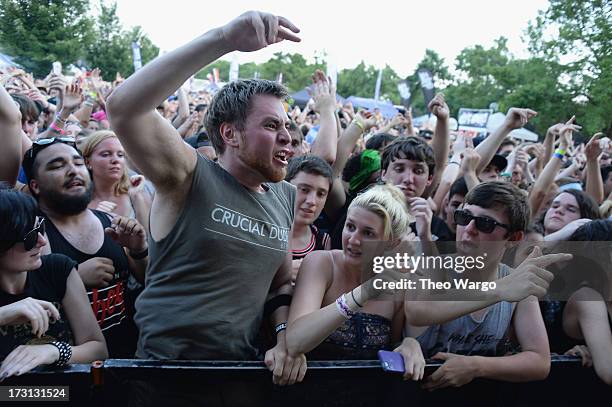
point(334, 383)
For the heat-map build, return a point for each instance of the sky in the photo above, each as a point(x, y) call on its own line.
point(378, 32)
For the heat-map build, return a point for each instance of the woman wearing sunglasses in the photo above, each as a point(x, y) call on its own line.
point(44, 312)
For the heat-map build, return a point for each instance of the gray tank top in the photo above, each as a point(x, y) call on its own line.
point(467, 336)
point(208, 279)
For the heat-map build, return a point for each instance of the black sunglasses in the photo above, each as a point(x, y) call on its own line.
point(484, 225)
point(43, 143)
point(30, 238)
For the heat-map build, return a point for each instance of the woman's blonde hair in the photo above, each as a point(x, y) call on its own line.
point(90, 144)
point(388, 202)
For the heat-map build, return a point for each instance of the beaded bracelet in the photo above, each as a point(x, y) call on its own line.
point(343, 307)
point(65, 353)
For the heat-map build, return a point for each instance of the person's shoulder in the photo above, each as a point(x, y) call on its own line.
point(56, 262)
point(283, 186)
point(441, 229)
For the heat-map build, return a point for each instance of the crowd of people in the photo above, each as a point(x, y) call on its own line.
point(234, 226)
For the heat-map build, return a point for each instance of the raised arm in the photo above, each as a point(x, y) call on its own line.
point(594, 182)
point(10, 138)
point(516, 118)
point(152, 142)
point(183, 108)
point(324, 95)
point(439, 144)
point(547, 177)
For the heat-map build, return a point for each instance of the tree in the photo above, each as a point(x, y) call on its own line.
point(40, 32)
point(493, 75)
point(582, 31)
point(111, 51)
point(359, 81)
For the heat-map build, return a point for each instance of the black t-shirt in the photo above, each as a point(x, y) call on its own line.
point(439, 230)
point(48, 283)
point(109, 304)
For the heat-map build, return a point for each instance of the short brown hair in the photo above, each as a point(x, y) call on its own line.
point(232, 104)
point(500, 194)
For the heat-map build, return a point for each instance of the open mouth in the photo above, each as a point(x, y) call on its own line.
point(283, 157)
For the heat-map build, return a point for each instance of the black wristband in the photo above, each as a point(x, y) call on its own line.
point(65, 353)
point(139, 256)
point(280, 327)
point(274, 303)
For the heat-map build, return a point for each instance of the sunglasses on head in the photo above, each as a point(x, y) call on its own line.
point(30, 238)
point(42, 143)
point(484, 225)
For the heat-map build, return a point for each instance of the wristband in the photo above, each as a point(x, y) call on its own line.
point(560, 151)
point(65, 353)
point(360, 125)
point(139, 256)
point(343, 307)
point(54, 127)
point(280, 327)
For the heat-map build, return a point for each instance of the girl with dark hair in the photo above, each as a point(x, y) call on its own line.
point(569, 210)
point(582, 321)
point(44, 311)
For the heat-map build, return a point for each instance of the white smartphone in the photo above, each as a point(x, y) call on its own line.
point(57, 68)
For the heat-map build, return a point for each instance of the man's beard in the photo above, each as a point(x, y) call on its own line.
point(267, 170)
point(65, 204)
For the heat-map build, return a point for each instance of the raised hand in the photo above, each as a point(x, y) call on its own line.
point(323, 92)
point(469, 160)
point(555, 129)
point(593, 149)
point(367, 119)
point(438, 107)
point(255, 30)
point(517, 118)
point(73, 97)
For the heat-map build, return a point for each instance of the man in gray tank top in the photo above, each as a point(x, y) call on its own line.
point(470, 336)
point(219, 230)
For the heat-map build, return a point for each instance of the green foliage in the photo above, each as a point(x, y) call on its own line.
point(111, 50)
point(582, 30)
point(296, 70)
point(40, 32)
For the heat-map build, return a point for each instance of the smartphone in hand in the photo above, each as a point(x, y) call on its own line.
point(391, 361)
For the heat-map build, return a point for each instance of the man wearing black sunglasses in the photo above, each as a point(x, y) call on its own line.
point(462, 332)
point(59, 180)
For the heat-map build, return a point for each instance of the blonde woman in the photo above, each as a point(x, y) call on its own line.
point(332, 313)
point(114, 191)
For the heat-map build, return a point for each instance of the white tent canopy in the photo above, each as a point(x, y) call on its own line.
point(496, 120)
